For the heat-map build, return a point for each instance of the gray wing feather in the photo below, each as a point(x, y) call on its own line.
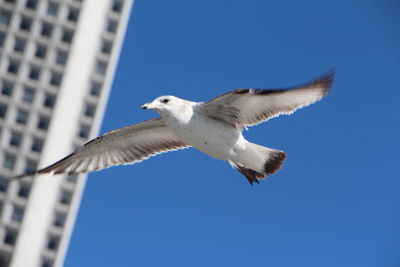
point(247, 107)
point(126, 145)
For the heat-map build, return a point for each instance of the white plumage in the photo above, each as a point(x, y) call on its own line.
point(213, 127)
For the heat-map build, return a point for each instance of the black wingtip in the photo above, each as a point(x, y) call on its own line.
point(24, 175)
point(325, 81)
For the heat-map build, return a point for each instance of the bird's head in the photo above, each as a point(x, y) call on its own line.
point(165, 105)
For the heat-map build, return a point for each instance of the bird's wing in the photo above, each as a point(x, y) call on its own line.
point(247, 107)
point(126, 145)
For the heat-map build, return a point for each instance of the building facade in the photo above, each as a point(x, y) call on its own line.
point(57, 61)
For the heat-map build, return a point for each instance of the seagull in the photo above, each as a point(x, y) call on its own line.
point(214, 127)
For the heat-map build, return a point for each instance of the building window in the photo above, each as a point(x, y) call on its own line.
point(47, 29)
point(52, 8)
point(9, 161)
point(3, 185)
point(7, 88)
point(61, 57)
point(40, 51)
point(13, 66)
point(73, 14)
point(3, 110)
point(90, 110)
point(59, 219)
point(25, 24)
point(101, 67)
point(34, 73)
point(95, 88)
point(46, 263)
point(16, 139)
point(29, 94)
point(72, 178)
point(112, 26)
point(67, 36)
point(66, 197)
point(5, 17)
point(22, 116)
point(11, 2)
point(117, 6)
point(56, 78)
point(24, 190)
point(5, 258)
point(17, 214)
point(30, 166)
point(37, 145)
point(53, 242)
point(106, 47)
point(43, 123)
point(31, 4)
point(2, 38)
point(10, 237)
point(19, 45)
point(49, 101)
point(84, 131)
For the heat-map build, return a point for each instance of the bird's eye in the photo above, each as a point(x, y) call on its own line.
point(165, 100)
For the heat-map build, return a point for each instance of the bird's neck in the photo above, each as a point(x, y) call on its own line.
point(178, 117)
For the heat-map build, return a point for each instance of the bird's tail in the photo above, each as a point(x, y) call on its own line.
point(256, 162)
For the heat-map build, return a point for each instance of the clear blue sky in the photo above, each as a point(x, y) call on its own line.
point(336, 201)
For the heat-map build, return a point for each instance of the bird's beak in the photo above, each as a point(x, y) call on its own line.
point(148, 106)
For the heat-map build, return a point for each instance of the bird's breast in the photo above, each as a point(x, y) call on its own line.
point(207, 135)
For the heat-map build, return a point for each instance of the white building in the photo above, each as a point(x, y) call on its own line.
point(57, 61)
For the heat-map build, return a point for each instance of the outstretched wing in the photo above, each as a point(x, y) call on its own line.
point(247, 107)
point(126, 145)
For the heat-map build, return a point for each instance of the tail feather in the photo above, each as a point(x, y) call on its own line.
point(275, 162)
point(257, 162)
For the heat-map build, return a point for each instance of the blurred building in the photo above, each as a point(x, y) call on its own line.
point(57, 61)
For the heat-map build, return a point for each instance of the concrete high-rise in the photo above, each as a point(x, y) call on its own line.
point(57, 61)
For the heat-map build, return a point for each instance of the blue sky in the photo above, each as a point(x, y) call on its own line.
point(336, 200)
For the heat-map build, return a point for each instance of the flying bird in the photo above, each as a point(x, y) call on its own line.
point(214, 127)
